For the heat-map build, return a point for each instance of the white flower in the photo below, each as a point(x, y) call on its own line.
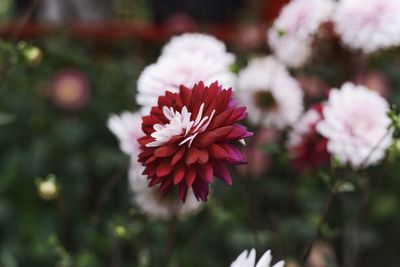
point(356, 125)
point(246, 259)
point(271, 95)
point(185, 60)
point(291, 35)
point(198, 43)
point(151, 201)
point(369, 25)
point(127, 127)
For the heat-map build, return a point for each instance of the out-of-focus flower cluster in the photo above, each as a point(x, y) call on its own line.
point(185, 133)
point(369, 26)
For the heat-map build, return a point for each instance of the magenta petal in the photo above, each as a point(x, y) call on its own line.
point(238, 132)
point(234, 156)
point(233, 103)
point(238, 114)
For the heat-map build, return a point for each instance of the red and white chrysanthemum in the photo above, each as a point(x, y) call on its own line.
point(189, 139)
point(308, 148)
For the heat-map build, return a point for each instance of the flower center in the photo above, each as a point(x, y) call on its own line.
point(180, 124)
point(264, 100)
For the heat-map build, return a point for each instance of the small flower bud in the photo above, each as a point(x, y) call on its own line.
point(120, 231)
point(47, 189)
point(33, 56)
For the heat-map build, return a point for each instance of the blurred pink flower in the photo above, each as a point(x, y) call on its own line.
point(250, 37)
point(368, 25)
point(70, 89)
point(377, 81)
point(312, 86)
point(292, 32)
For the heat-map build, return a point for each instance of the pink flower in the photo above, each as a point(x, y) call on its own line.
point(307, 148)
point(189, 139)
point(356, 125)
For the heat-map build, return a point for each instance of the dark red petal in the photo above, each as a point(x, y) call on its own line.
point(203, 156)
point(222, 172)
point(190, 176)
point(185, 94)
point(200, 189)
point(165, 151)
point(164, 168)
point(183, 192)
point(155, 180)
point(223, 131)
point(195, 103)
point(145, 140)
point(238, 132)
point(217, 152)
point(221, 119)
point(178, 155)
point(191, 155)
point(150, 170)
point(150, 160)
point(166, 186)
point(164, 101)
point(238, 114)
point(206, 172)
point(205, 139)
point(179, 173)
point(223, 99)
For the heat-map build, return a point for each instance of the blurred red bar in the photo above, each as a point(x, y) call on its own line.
point(104, 31)
point(27, 31)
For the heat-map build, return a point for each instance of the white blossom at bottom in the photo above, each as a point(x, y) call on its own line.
point(246, 259)
point(151, 201)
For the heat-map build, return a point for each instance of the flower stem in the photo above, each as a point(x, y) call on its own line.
point(253, 225)
point(170, 241)
point(321, 222)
